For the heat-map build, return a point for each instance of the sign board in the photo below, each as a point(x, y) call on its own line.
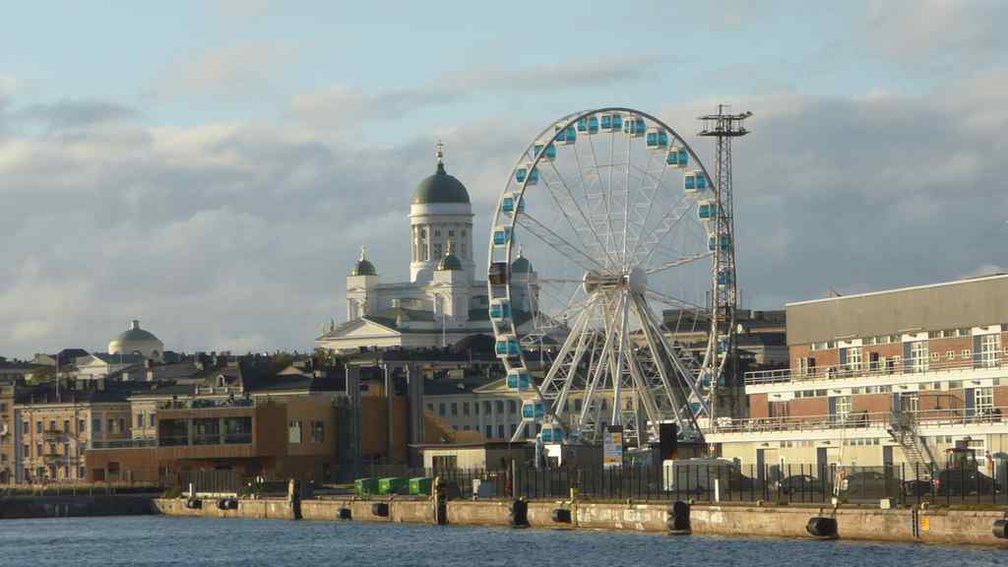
point(612, 447)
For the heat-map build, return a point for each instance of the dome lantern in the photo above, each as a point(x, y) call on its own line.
point(364, 267)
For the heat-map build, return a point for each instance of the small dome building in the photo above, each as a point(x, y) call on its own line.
point(137, 341)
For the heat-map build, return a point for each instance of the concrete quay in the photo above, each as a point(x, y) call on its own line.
point(939, 526)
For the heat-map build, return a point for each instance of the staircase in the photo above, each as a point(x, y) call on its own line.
point(903, 429)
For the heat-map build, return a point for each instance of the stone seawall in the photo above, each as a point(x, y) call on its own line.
point(930, 526)
point(73, 506)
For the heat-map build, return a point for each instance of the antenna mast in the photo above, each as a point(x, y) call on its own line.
point(724, 126)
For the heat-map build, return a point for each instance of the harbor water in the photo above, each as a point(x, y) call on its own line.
point(162, 540)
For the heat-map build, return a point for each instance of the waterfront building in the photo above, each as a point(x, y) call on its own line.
point(895, 377)
point(443, 302)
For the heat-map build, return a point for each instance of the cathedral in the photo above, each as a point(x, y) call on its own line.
point(443, 302)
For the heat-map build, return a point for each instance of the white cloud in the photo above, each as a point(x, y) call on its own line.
point(237, 69)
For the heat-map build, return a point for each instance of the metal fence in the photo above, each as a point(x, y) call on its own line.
point(798, 483)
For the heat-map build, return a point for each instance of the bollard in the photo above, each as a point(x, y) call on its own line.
point(1000, 529)
point(518, 513)
point(822, 527)
point(227, 504)
point(678, 518)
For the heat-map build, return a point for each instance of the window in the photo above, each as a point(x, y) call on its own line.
point(441, 410)
point(454, 409)
point(96, 425)
point(935, 355)
point(140, 420)
point(111, 426)
point(949, 354)
point(66, 425)
point(430, 408)
point(500, 431)
point(38, 426)
point(512, 407)
point(486, 408)
point(25, 428)
point(919, 356)
point(52, 425)
point(512, 428)
point(965, 354)
point(81, 473)
point(983, 400)
point(437, 251)
point(853, 358)
point(38, 449)
point(499, 407)
point(317, 432)
point(465, 408)
point(27, 451)
point(294, 431)
point(122, 425)
point(451, 233)
point(150, 419)
point(489, 431)
point(843, 406)
point(81, 426)
point(989, 348)
point(465, 428)
point(437, 232)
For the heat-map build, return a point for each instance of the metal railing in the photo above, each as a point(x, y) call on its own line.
point(204, 403)
point(863, 419)
point(875, 369)
point(122, 443)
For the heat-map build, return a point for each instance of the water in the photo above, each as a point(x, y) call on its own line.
point(162, 540)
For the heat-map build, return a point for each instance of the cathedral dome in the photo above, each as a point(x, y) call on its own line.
point(450, 262)
point(364, 266)
point(136, 341)
point(440, 187)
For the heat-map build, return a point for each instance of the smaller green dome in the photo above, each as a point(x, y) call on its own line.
point(450, 262)
point(364, 267)
point(521, 265)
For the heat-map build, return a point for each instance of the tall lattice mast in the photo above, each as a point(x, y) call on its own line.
point(724, 126)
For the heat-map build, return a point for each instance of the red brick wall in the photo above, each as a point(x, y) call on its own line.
point(758, 406)
point(956, 345)
point(871, 403)
point(808, 406)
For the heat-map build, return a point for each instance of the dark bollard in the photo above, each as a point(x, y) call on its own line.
point(1000, 529)
point(561, 515)
point(678, 518)
point(227, 504)
point(518, 513)
point(822, 527)
point(379, 509)
point(344, 514)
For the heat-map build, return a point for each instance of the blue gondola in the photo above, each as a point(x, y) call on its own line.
point(527, 171)
point(588, 125)
point(706, 210)
point(611, 122)
point(507, 346)
point(502, 235)
point(694, 181)
point(657, 139)
point(551, 434)
point(678, 158)
point(712, 242)
point(565, 134)
point(508, 203)
point(518, 380)
point(548, 150)
point(500, 310)
point(634, 127)
point(532, 409)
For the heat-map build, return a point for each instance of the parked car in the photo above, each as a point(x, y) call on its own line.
point(917, 487)
point(802, 484)
point(869, 484)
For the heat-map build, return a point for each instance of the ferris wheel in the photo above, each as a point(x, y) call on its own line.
point(600, 273)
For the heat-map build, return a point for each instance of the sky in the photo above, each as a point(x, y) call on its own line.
point(212, 168)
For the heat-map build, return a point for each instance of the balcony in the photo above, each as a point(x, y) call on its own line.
point(925, 370)
point(997, 415)
point(122, 443)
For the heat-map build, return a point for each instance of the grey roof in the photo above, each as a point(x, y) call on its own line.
point(440, 188)
point(122, 358)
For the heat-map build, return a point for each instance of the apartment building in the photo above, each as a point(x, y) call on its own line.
point(888, 377)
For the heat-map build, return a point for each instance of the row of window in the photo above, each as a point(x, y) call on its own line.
point(40, 472)
point(38, 450)
point(141, 419)
point(26, 426)
point(294, 431)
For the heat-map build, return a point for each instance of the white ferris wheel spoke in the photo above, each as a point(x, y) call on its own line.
point(556, 242)
point(679, 262)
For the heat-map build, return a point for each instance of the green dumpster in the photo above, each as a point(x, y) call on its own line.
point(420, 485)
point(364, 486)
point(393, 485)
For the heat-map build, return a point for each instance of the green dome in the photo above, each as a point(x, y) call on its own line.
point(521, 265)
point(135, 334)
point(450, 262)
point(440, 188)
point(364, 268)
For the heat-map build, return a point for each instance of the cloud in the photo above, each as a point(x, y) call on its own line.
point(68, 114)
point(237, 69)
point(342, 105)
point(239, 235)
